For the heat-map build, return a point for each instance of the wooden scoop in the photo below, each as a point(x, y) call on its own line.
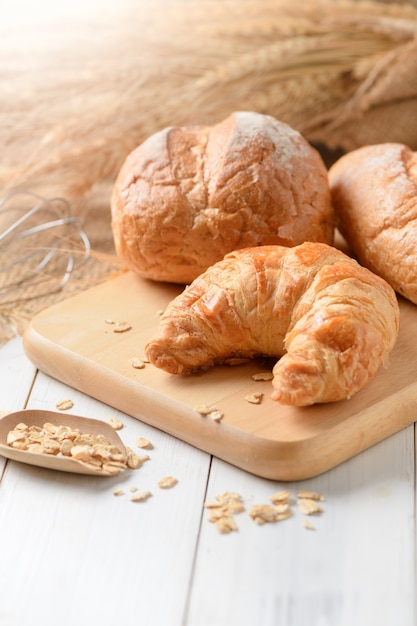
point(33, 417)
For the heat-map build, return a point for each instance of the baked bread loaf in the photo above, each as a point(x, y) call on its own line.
point(374, 193)
point(332, 321)
point(188, 195)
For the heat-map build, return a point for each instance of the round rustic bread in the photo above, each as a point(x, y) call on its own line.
point(374, 193)
point(189, 195)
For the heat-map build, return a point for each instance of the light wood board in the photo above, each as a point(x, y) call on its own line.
point(73, 342)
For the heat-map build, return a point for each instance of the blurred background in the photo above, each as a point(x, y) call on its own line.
point(85, 82)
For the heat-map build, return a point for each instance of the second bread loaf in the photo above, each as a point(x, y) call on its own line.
point(374, 193)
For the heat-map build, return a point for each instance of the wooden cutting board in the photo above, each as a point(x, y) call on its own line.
point(74, 342)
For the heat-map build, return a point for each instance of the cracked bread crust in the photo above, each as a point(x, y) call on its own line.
point(374, 193)
point(189, 195)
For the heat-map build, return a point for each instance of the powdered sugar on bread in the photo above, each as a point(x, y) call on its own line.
point(189, 195)
point(289, 144)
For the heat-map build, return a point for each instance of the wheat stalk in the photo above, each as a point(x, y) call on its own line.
point(291, 62)
point(343, 72)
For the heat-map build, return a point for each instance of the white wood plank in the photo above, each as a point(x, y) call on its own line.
point(357, 567)
point(16, 377)
point(79, 554)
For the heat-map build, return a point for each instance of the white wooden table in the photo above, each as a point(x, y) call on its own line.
point(71, 552)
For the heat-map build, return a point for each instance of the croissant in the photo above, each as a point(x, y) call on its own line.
point(332, 321)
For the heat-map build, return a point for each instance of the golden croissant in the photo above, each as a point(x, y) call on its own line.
point(331, 321)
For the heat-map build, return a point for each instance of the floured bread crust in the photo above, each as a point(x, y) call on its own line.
point(332, 321)
point(189, 195)
point(374, 193)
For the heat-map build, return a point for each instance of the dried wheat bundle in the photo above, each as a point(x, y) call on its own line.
point(342, 72)
point(79, 94)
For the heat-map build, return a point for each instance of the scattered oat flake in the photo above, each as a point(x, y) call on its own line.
point(266, 513)
point(225, 524)
point(205, 409)
point(140, 496)
point(209, 410)
point(81, 453)
point(37, 448)
point(137, 363)
point(109, 468)
point(21, 426)
point(230, 496)
point(66, 447)
point(223, 509)
point(309, 507)
point(64, 405)
point(134, 461)
point(280, 497)
point(217, 513)
point(216, 416)
point(167, 482)
point(255, 398)
point(235, 506)
point(308, 525)
point(142, 442)
point(108, 321)
point(15, 436)
point(21, 445)
point(310, 495)
point(51, 446)
point(263, 376)
point(121, 327)
point(212, 504)
point(115, 423)
point(92, 451)
point(118, 492)
point(133, 489)
point(283, 511)
point(263, 513)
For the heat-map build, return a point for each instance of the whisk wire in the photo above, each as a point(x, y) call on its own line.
point(56, 237)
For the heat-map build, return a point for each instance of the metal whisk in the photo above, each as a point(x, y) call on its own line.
point(41, 244)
